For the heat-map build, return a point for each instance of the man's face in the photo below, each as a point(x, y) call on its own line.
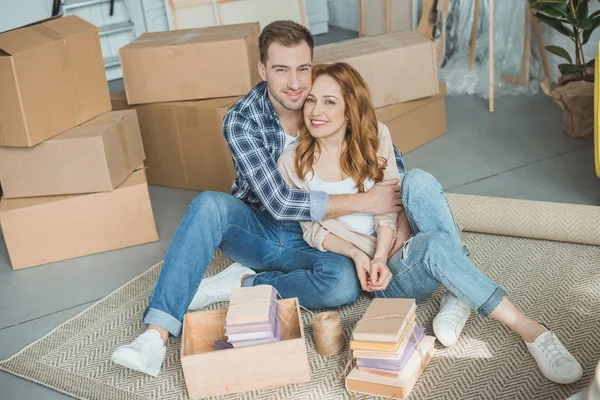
point(288, 74)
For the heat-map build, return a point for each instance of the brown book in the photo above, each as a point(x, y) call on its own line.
point(251, 305)
point(393, 387)
point(385, 321)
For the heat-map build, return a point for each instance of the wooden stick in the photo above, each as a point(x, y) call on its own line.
point(362, 8)
point(491, 60)
point(388, 16)
point(474, 36)
point(537, 30)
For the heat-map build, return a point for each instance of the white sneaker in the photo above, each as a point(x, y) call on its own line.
point(554, 360)
point(145, 354)
point(218, 288)
point(451, 319)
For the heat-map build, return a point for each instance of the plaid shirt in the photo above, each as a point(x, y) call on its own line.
point(256, 139)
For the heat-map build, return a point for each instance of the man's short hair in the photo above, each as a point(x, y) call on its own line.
point(287, 33)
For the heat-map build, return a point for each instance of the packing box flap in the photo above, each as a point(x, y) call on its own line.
point(219, 102)
point(368, 45)
point(138, 177)
point(392, 111)
point(95, 127)
point(22, 39)
point(210, 34)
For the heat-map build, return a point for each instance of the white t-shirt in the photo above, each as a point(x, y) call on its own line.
point(359, 222)
point(290, 139)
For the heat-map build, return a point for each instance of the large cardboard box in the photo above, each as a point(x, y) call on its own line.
point(184, 143)
point(397, 67)
point(96, 156)
point(209, 372)
point(191, 64)
point(40, 230)
point(414, 123)
point(52, 78)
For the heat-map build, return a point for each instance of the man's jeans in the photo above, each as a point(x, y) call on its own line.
point(275, 249)
point(435, 254)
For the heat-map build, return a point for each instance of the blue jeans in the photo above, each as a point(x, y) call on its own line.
point(435, 254)
point(275, 249)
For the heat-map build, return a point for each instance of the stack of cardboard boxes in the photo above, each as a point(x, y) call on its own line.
point(401, 71)
point(71, 169)
point(181, 83)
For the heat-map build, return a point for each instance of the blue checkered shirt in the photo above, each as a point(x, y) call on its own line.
point(256, 139)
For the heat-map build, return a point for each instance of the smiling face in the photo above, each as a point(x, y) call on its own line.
point(287, 72)
point(325, 109)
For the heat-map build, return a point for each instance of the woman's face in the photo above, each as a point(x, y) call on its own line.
point(324, 109)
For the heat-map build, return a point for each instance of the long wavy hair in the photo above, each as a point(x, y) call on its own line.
point(359, 158)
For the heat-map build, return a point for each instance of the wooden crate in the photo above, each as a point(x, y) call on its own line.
point(213, 373)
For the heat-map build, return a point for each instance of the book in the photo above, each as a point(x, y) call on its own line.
point(391, 355)
point(396, 387)
point(385, 321)
point(275, 338)
point(397, 365)
point(257, 333)
point(392, 347)
point(251, 305)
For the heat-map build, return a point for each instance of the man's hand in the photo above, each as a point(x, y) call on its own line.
point(383, 197)
point(362, 262)
point(403, 233)
point(380, 275)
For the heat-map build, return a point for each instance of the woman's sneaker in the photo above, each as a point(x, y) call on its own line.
point(451, 319)
point(554, 360)
point(219, 287)
point(145, 354)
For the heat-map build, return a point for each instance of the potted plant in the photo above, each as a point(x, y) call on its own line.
point(575, 90)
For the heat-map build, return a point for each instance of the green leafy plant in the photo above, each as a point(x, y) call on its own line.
point(572, 19)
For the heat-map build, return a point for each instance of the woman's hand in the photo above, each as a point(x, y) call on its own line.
point(362, 262)
point(379, 276)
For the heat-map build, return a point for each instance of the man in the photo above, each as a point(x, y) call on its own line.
point(257, 225)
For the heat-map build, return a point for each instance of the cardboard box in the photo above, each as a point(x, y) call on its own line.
point(52, 78)
point(397, 67)
point(184, 143)
point(190, 64)
point(414, 123)
point(210, 372)
point(381, 15)
point(40, 230)
point(96, 156)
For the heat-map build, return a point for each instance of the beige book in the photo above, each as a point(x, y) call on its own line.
point(384, 321)
point(388, 355)
point(250, 304)
point(394, 387)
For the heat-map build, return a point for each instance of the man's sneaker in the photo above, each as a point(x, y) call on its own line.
point(451, 319)
point(145, 354)
point(554, 360)
point(218, 288)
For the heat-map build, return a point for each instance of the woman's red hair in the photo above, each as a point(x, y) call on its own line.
point(359, 158)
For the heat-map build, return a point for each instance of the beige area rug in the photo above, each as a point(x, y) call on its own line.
point(555, 282)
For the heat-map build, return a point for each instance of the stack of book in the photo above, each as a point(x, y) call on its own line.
point(253, 316)
point(391, 351)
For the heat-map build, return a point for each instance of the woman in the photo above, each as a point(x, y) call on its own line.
point(342, 149)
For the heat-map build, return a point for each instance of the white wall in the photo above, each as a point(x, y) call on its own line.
point(343, 13)
point(16, 13)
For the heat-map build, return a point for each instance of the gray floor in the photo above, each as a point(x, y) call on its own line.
point(518, 152)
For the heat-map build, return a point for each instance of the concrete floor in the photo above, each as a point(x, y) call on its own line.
point(518, 152)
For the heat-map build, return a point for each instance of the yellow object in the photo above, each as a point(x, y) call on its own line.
point(596, 116)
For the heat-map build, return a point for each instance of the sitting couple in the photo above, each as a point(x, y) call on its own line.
point(322, 209)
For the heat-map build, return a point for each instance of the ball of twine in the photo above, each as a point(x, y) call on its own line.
point(327, 331)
